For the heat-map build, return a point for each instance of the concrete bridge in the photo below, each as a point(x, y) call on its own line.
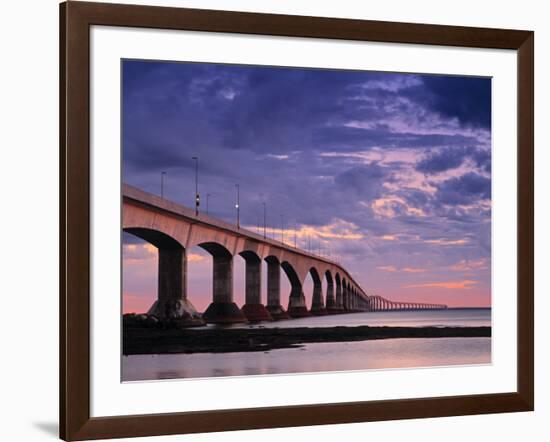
point(377, 303)
point(173, 229)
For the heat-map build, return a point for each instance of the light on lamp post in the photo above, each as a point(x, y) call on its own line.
point(265, 223)
point(197, 197)
point(237, 206)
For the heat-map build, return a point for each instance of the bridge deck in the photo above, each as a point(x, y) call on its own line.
point(142, 197)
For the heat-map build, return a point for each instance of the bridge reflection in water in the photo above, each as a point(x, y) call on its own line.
point(173, 229)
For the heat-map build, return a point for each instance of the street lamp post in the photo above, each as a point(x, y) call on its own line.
point(208, 195)
point(197, 197)
point(162, 174)
point(237, 206)
point(265, 224)
point(282, 229)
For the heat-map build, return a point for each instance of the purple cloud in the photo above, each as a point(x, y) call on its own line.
point(400, 156)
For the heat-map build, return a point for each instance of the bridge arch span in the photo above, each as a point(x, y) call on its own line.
point(155, 237)
point(246, 246)
point(138, 218)
point(216, 249)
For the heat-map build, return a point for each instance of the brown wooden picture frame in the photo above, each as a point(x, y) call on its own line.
point(75, 21)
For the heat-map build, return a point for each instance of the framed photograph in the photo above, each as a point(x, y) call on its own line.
point(272, 221)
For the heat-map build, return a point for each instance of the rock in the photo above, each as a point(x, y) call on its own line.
point(151, 321)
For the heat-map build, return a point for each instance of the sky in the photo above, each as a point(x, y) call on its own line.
point(389, 173)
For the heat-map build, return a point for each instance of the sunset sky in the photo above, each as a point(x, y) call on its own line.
point(389, 172)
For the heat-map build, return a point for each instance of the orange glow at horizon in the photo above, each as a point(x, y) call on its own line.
point(393, 282)
point(458, 285)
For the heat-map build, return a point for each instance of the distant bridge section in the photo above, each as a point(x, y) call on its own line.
point(173, 229)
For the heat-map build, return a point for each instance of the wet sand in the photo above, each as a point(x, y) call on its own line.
point(142, 340)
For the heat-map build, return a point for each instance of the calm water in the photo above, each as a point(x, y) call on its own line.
point(340, 356)
point(437, 318)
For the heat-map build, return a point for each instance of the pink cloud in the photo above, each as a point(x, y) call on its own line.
point(390, 206)
point(337, 229)
point(467, 265)
point(387, 268)
point(195, 257)
point(447, 242)
point(413, 270)
point(453, 285)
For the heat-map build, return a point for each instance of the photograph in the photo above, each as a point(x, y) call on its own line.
point(293, 220)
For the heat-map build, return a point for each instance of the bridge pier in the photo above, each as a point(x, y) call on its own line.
point(297, 307)
point(172, 302)
point(253, 308)
point(331, 300)
point(274, 306)
point(222, 310)
point(345, 303)
point(317, 302)
point(339, 307)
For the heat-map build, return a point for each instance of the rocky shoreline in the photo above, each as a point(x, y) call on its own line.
point(154, 339)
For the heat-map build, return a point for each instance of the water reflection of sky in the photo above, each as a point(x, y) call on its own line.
point(324, 357)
